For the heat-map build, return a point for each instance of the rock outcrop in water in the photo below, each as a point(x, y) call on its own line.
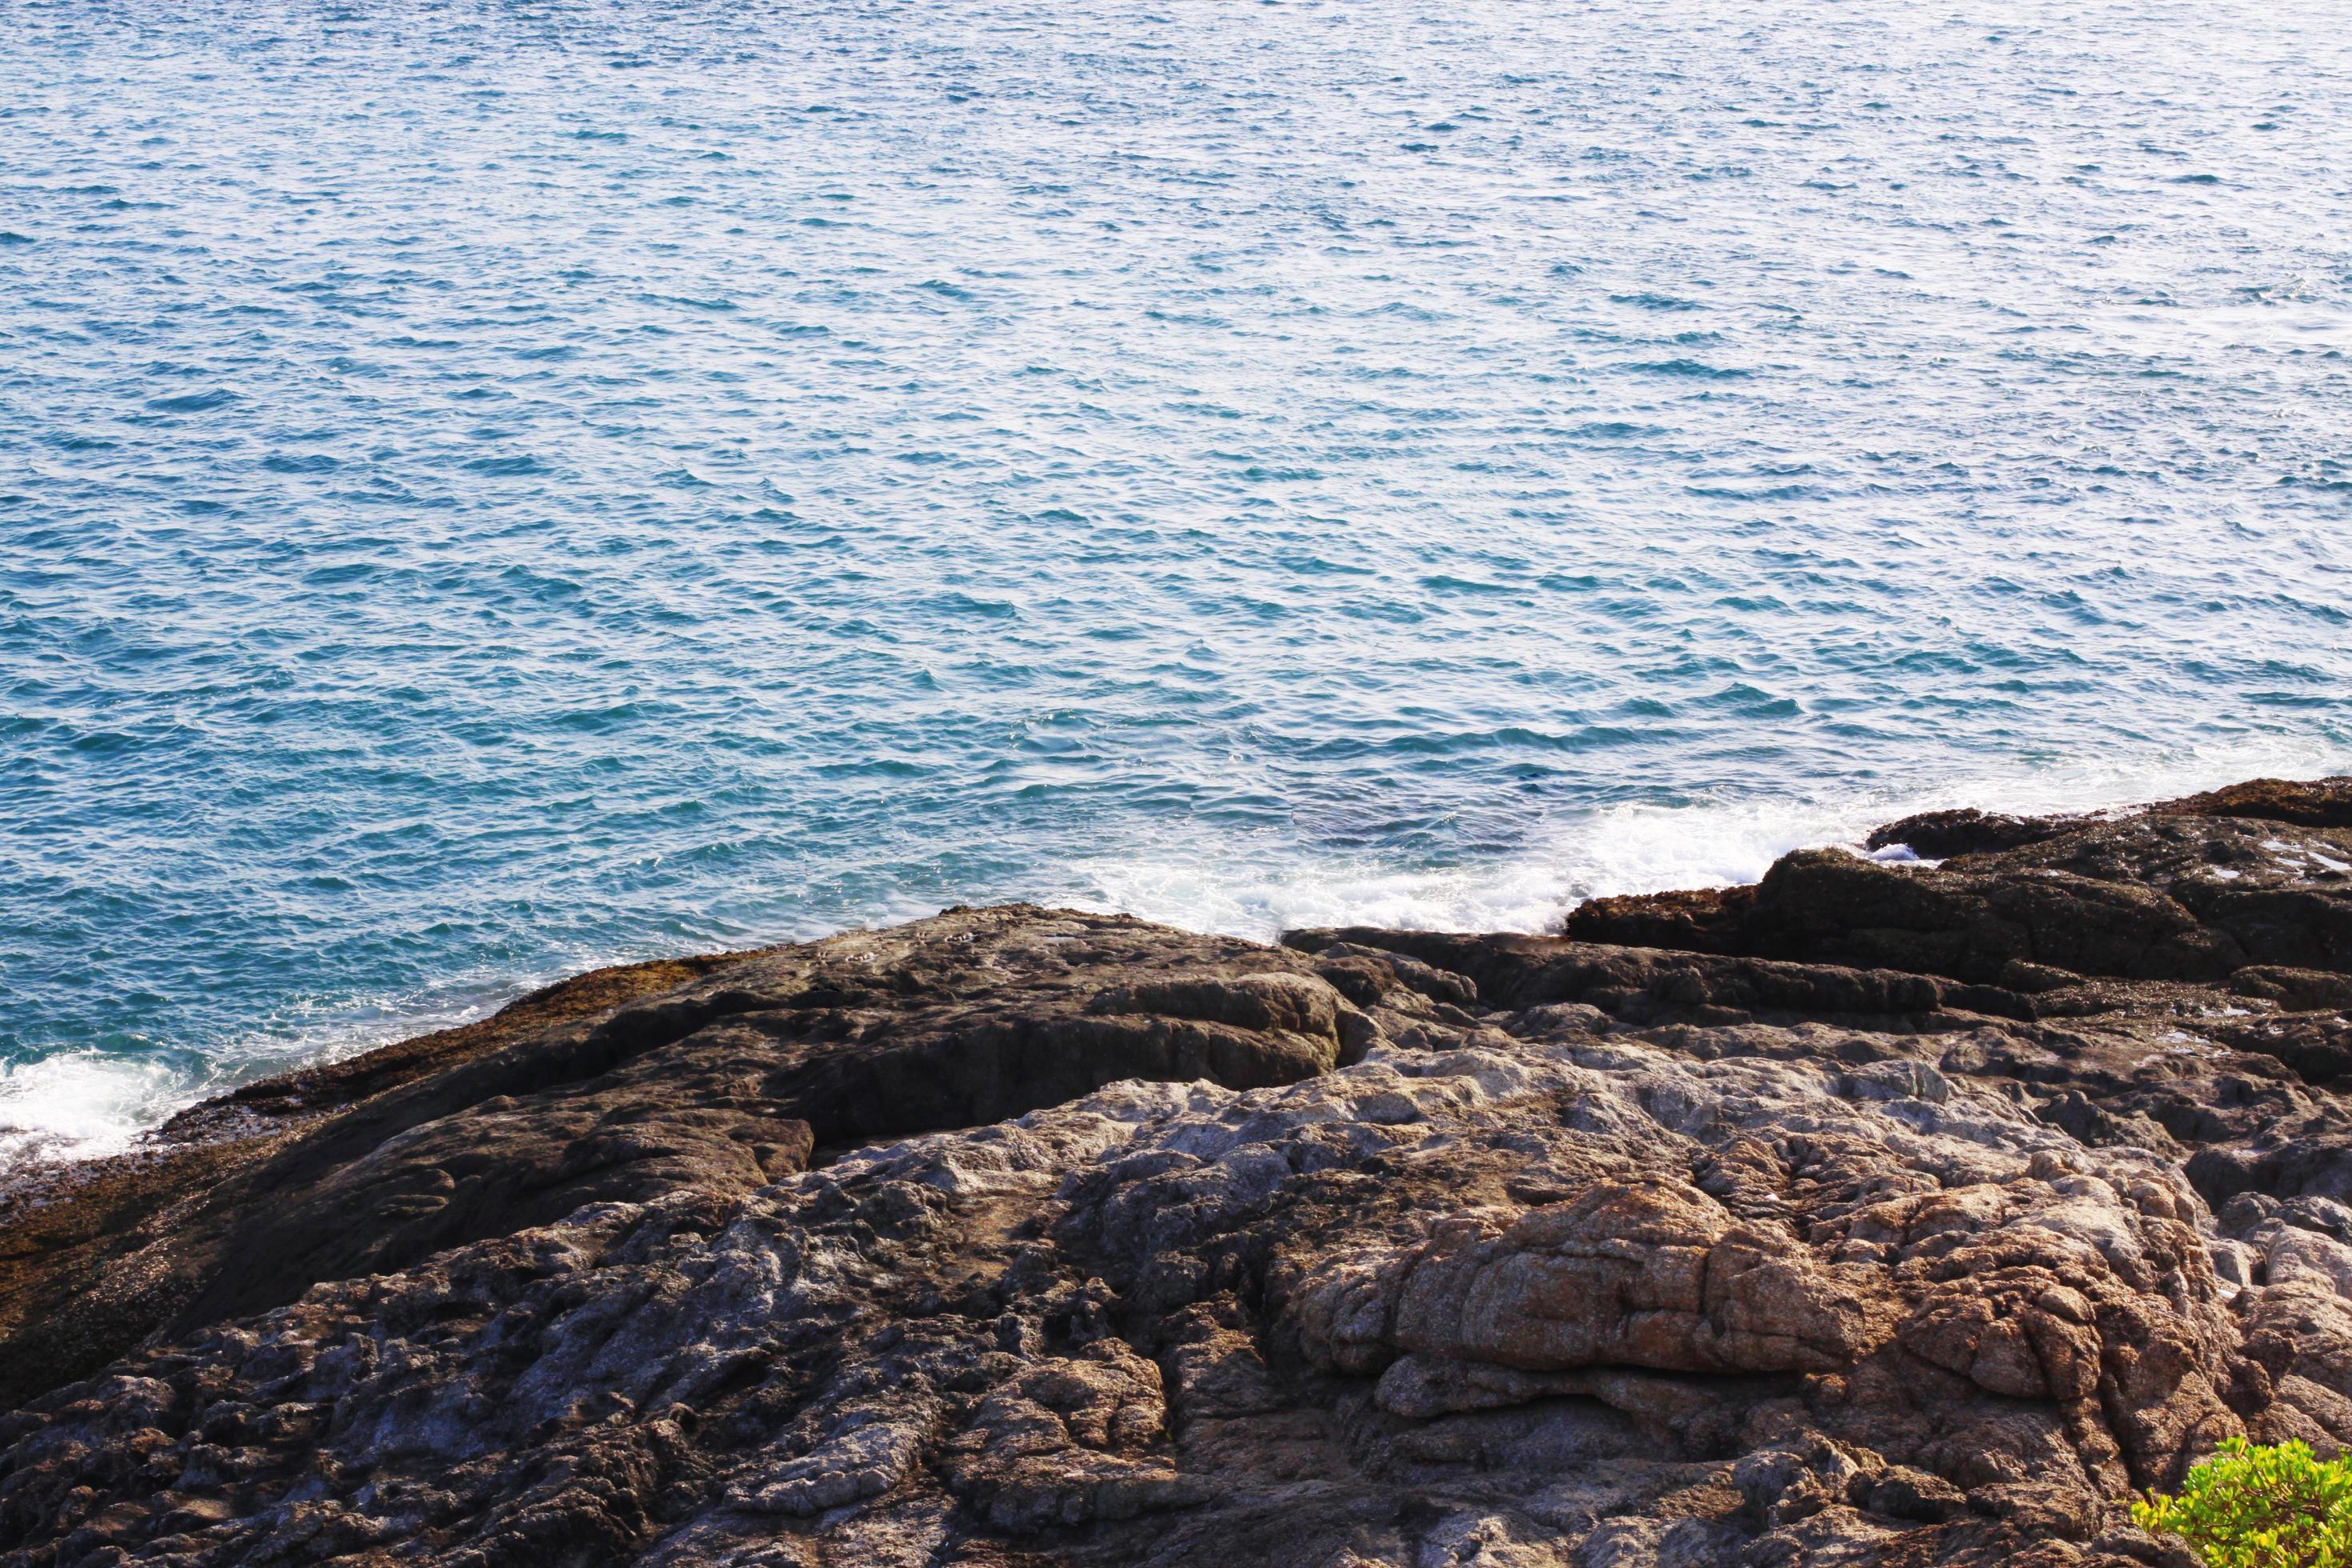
point(1882, 1213)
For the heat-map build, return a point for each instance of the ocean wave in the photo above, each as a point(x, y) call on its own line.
point(82, 1104)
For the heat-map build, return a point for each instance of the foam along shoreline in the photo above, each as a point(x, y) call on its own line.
point(88, 1104)
point(1878, 1207)
point(1630, 847)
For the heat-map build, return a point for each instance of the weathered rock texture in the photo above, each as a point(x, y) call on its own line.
point(1895, 1213)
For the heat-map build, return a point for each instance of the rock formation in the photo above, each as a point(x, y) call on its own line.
point(1904, 1213)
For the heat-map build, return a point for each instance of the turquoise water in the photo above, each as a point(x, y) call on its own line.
point(489, 489)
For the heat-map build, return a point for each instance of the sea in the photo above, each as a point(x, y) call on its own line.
point(490, 487)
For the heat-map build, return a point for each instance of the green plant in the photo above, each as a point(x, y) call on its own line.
point(2250, 1507)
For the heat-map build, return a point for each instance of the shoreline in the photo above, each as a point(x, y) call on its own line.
point(1742, 837)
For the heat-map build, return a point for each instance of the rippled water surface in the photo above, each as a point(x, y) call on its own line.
point(489, 488)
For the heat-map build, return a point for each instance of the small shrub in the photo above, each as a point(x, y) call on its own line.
point(2250, 1507)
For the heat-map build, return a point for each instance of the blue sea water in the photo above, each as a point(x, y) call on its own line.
point(490, 489)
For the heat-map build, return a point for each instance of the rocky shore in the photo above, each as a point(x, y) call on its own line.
point(1889, 1211)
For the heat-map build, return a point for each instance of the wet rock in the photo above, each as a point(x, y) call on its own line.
point(2317, 803)
point(2163, 895)
point(1943, 835)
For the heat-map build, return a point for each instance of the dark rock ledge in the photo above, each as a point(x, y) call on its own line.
point(1899, 1213)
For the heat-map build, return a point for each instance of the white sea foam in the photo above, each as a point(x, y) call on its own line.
point(80, 1104)
point(87, 1105)
point(1633, 848)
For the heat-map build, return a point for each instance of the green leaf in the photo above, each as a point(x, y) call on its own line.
point(2253, 1507)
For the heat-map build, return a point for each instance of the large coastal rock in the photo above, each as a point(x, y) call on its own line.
point(2159, 895)
point(1884, 1212)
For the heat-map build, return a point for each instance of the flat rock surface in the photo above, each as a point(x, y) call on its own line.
point(1893, 1212)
